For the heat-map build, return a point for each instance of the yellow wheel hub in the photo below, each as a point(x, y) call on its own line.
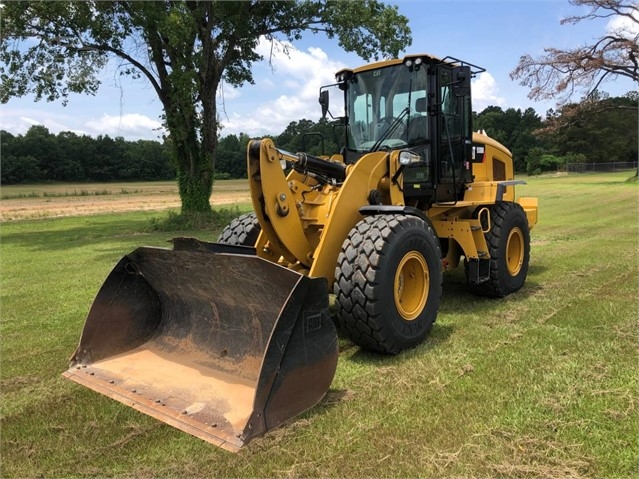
point(411, 285)
point(515, 251)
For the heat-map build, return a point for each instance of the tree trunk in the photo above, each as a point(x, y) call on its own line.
point(195, 176)
point(193, 160)
point(195, 191)
point(193, 163)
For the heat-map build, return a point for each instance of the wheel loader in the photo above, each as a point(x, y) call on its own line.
point(228, 340)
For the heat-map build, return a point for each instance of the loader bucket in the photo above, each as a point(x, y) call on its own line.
point(224, 346)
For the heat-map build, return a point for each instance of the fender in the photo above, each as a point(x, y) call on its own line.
point(394, 210)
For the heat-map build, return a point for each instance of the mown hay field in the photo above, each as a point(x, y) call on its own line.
point(78, 199)
point(540, 384)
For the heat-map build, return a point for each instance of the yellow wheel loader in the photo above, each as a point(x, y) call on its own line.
point(227, 340)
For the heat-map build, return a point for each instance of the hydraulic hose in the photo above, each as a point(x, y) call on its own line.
point(305, 162)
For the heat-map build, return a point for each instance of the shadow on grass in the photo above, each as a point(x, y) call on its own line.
point(77, 232)
point(457, 300)
point(439, 335)
point(457, 296)
point(46, 236)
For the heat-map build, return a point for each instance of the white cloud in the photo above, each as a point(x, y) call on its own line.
point(18, 121)
point(624, 26)
point(485, 92)
point(128, 126)
point(30, 121)
point(296, 78)
point(227, 92)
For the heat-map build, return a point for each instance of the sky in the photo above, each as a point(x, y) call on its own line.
point(490, 33)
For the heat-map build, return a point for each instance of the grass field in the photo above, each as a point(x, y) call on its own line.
point(542, 383)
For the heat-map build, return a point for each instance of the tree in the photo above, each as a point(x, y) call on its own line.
point(600, 129)
point(185, 49)
point(560, 73)
point(231, 157)
point(511, 127)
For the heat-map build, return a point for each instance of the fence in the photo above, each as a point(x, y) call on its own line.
point(598, 167)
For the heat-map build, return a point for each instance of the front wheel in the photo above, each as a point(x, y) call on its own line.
point(242, 231)
point(388, 282)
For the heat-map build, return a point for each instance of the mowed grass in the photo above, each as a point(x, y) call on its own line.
point(542, 383)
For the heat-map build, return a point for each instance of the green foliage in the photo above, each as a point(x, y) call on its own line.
point(601, 129)
point(231, 156)
point(321, 138)
point(180, 222)
point(512, 128)
point(19, 169)
point(57, 62)
point(41, 156)
point(537, 145)
point(537, 161)
point(597, 130)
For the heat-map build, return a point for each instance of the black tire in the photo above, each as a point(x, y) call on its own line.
point(242, 231)
point(509, 247)
point(388, 282)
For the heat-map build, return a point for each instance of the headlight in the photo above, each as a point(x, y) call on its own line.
point(408, 157)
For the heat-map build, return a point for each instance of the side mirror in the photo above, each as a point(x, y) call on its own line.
point(324, 101)
point(461, 80)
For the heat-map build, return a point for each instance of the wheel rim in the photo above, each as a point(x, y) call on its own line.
point(515, 251)
point(411, 285)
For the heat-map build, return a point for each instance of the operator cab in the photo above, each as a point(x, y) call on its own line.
point(421, 105)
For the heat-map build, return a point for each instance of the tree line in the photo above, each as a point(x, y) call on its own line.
point(41, 156)
point(597, 130)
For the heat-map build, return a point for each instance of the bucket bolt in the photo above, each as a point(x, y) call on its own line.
point(282, 206)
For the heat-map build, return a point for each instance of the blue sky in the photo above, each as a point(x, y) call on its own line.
point(489, 33)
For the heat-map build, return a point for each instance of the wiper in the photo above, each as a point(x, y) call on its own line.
point(393, 126)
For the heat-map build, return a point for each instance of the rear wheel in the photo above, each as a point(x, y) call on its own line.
point(388, 282)
point(242, 231)
point(509, 246)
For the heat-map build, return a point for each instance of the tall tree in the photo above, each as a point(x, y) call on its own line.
point(185, 49)
point(560, 73)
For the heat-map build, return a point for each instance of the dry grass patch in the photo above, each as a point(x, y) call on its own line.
point(51, 201)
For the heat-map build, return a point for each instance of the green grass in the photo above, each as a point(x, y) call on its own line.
point(542, 383)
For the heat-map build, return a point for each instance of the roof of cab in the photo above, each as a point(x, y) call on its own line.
point(390, 62)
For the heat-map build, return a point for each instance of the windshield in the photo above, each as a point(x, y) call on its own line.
point(387, 108)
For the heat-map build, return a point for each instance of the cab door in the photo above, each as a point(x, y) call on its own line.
point(453, 132)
